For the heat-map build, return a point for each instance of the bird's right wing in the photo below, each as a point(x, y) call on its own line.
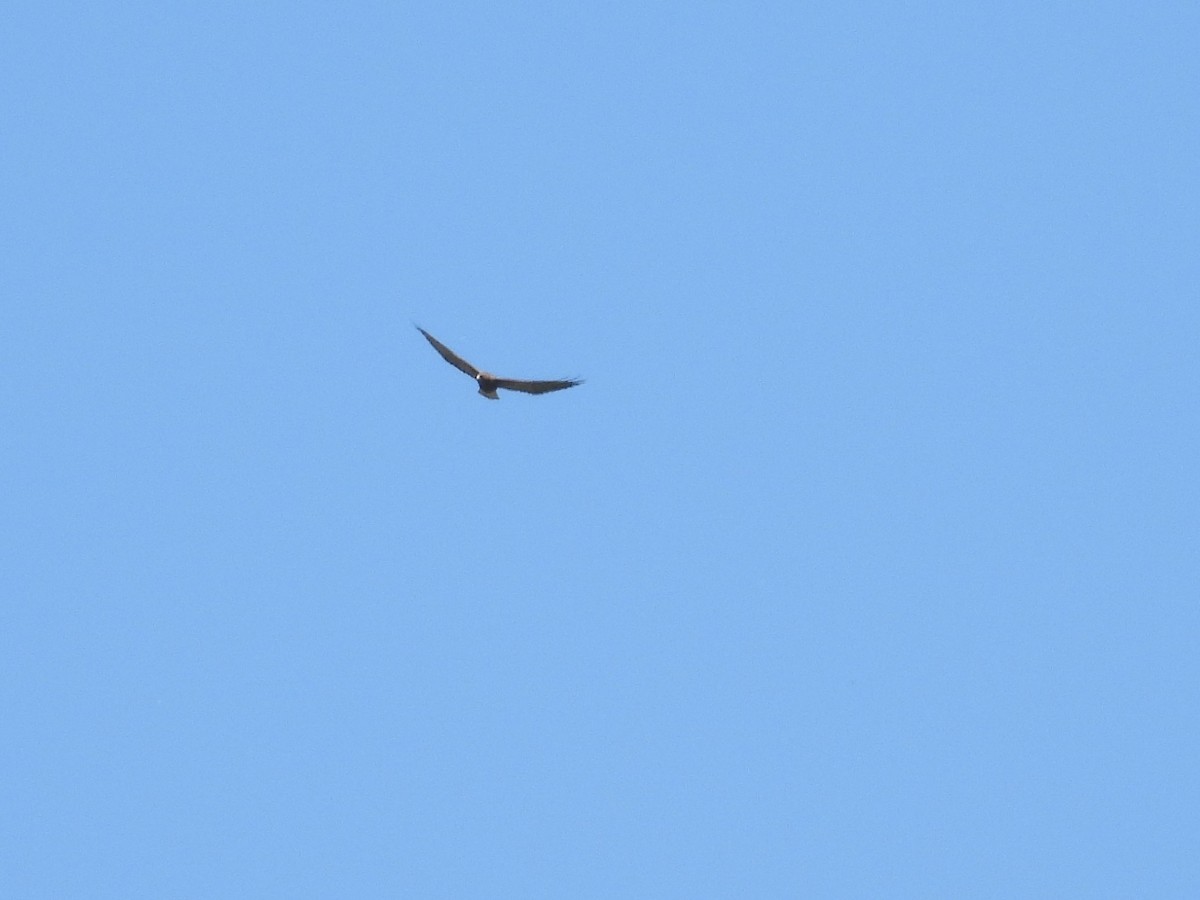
point(449, 355)
point(537, 387)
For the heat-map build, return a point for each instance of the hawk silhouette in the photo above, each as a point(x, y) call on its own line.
point(488, 383)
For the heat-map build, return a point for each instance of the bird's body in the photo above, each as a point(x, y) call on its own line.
point(489, 383)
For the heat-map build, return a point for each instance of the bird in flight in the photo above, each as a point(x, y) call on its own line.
point(488, 383)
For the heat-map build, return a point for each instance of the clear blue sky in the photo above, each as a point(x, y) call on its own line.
point(865, 564)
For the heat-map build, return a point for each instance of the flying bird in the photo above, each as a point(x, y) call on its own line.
point(488, 383)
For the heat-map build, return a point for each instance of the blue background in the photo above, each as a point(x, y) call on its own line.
point(865, 563)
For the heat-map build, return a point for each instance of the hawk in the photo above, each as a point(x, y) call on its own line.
point(488, 383)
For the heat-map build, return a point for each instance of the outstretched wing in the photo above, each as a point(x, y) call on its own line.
point(537, 387)
point(449, 355)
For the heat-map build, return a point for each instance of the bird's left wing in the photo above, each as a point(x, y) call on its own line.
point(449, 355)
